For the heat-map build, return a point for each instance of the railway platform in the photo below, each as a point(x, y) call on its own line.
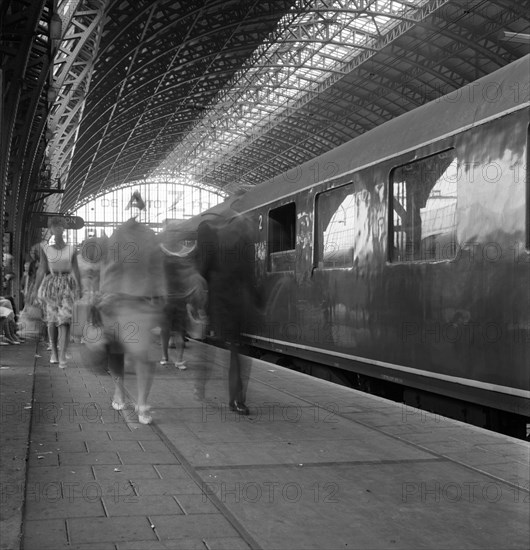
point(314, 466)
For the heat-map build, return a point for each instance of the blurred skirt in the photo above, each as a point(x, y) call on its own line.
point(58, 293)
point(126, 325)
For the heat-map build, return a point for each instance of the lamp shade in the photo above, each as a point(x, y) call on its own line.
point(56, 26)
point(136, 202)
point(52, 94)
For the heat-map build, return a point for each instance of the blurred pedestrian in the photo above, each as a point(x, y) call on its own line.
point(226, 261)
point(185, 289)
point(32, 319)
point(89, 262)
point(27, 280)
point(132, 287)
point(57, 285)
point(8, 271)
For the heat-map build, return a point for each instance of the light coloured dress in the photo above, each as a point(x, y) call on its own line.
point(59, 289)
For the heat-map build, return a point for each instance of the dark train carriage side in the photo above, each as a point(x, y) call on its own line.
point(403, 255)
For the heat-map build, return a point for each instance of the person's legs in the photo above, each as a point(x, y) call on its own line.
point(115, 362)
point(106, 342)
point(245, 368)
point(62, 344)
point(236, 393)
point(2, 324)
point(179, 328)
point(14, 330)
point(145, 373)
point(10, 330)
point(68, 335)
point(53, 335)
point(203, 371)
point(138, 348)
point(234, 376)
point(164, 337)
point(180, 345)
point(46, 335)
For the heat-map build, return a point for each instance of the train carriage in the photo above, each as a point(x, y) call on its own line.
point(403, 255)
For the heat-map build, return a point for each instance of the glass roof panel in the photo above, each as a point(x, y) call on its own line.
point(310, 50)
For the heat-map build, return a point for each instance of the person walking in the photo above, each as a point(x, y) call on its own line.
point(88, 261)
point(226, 261)
point(130, 306)
point(185, 289)
point(57, 285)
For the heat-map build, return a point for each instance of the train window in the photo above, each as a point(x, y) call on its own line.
point(282, 237)
point(423, 203)
point(528, 188)
point(335, 212)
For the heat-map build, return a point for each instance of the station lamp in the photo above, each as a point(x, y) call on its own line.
point(56, 26)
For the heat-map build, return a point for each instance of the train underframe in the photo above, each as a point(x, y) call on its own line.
point(432, 404)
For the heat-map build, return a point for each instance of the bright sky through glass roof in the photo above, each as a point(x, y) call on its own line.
point(313, 49)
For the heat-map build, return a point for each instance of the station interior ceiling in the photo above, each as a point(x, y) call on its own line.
point(99, 94)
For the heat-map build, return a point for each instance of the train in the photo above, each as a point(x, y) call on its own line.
point(399, 262)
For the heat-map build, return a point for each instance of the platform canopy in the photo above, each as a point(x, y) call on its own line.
point(228, 93)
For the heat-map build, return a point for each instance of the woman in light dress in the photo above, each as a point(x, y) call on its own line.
point(58, 288)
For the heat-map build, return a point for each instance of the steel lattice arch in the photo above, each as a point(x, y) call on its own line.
point(98, 94)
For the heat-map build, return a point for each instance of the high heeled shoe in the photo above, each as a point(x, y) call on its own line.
point(144, 417)
point(118, 404)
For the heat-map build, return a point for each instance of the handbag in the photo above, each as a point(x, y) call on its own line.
point(32, 312)
point(80, 313)
point(196, 323)
point(30, 321)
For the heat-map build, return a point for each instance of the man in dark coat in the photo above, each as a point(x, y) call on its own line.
point(226, 261)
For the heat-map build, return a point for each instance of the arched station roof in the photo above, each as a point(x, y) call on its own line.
point(224, 93)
